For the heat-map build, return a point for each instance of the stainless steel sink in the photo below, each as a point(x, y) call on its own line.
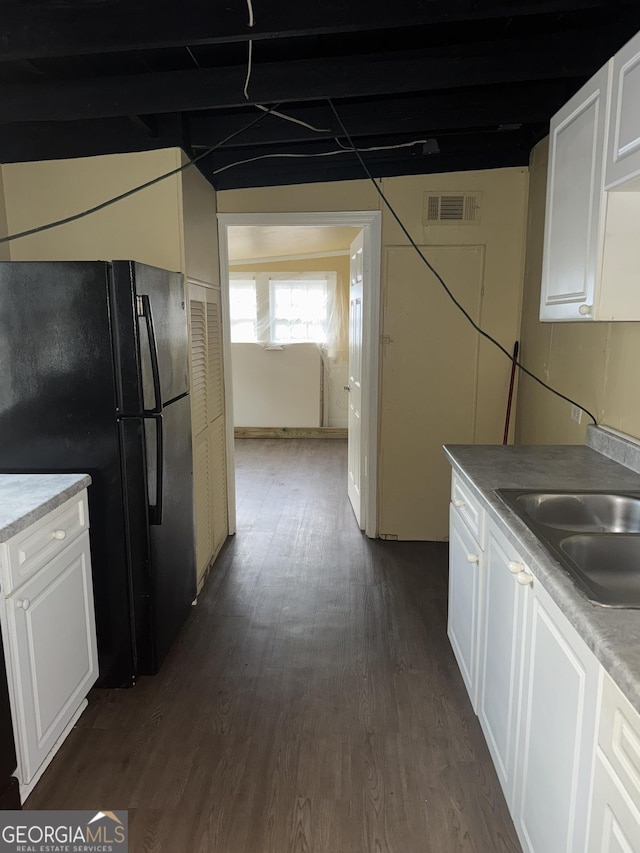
point(606, 567)
point(585, 511)
point(595, 536)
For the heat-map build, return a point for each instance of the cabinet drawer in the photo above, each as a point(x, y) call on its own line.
point(30, 550)
point(469, 507)
point(619, 737)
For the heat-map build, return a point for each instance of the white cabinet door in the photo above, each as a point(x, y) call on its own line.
point(465, 583)
point(615, 800)
point(557, 733)
point(623, 151)
point(504, 621)
point(615, 820)
point(575, 211)
point(51, 628)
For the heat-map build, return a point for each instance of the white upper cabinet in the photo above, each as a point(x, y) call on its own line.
point(591, 246)
point(575, 214)
point(623, 157)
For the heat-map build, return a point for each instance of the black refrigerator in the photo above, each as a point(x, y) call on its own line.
point(94, 378)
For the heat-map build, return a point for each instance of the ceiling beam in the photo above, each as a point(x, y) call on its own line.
point(45, 28)
point(573, 54)
point(328, 155)
point(21, 142)
point(261, 175)
point(430, 113)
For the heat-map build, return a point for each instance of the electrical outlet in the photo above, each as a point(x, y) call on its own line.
point(576, 413)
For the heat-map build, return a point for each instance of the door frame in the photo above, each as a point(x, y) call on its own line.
point(371, 223)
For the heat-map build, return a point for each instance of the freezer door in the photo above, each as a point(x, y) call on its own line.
point(173, 564)
point(151, 336)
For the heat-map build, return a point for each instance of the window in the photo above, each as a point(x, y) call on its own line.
point(298, 310)
point(281, 308)
point(243, 309)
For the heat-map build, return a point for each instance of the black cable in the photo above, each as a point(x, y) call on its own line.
point(429, 266)
point(74, 217)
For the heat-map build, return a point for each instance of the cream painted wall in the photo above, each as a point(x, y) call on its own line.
point(5, 252)
point(335, 364)
point(594, 363)
point(145, 227)
point(198, 200)
point(501, 233)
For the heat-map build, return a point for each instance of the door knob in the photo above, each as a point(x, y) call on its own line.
point(59, 534)
point(347, 387)
point(524, 578)
point(24, 603)
point(515, 568)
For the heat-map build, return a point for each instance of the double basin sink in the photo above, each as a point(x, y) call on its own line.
point(594, 535)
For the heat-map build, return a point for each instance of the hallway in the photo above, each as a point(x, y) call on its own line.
point(311, 704)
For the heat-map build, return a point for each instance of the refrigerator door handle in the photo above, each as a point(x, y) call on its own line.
point(155, 510)
point(153, 354)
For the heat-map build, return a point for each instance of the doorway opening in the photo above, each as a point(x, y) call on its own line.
point(287, 286)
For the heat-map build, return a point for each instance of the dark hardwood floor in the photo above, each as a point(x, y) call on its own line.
point(311, 704)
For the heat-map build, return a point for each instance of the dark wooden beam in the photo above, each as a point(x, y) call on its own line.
point(574, 54)
point(269, 176)
point(226, 168)
point(453, 109)
point(20, 142)
point(45, 28)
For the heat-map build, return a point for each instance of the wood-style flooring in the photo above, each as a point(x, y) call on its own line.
point(311, 704)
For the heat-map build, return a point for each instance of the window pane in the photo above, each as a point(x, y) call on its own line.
point(298, 310)
point(243, 310)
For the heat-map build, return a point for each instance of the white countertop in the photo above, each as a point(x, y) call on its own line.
point(25, 498)
point(612, 634)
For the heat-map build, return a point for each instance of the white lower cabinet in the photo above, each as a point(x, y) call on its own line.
point(615, 799)
point(557, 732)
point(564, 739)
point(538, 688)
point(465, 582)
point(615, 820)
point(49, 637)
point(51, 627)
point(506, 603)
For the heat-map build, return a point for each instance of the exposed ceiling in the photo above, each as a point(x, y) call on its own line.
point(467, 83)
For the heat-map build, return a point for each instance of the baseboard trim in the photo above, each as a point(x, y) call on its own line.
point(290, 432)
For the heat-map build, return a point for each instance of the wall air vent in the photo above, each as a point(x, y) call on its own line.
point(451, 209)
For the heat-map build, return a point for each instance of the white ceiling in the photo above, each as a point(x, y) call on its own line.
point(249, 242)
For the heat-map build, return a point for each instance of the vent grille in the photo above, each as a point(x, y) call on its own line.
point(452, 209)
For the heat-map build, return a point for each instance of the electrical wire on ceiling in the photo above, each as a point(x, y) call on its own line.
point(247, 79)
point(115, 199)
point(442, 282)
point(342, 150)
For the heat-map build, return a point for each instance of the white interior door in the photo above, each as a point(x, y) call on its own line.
point(354, 388)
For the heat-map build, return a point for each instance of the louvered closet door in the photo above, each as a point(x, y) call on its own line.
point(208, 420)
point(200, 424)
point(217, 446)
point(199, 366)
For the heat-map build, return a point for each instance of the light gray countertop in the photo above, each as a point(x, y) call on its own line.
point(612, 634)
point(25, 498)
